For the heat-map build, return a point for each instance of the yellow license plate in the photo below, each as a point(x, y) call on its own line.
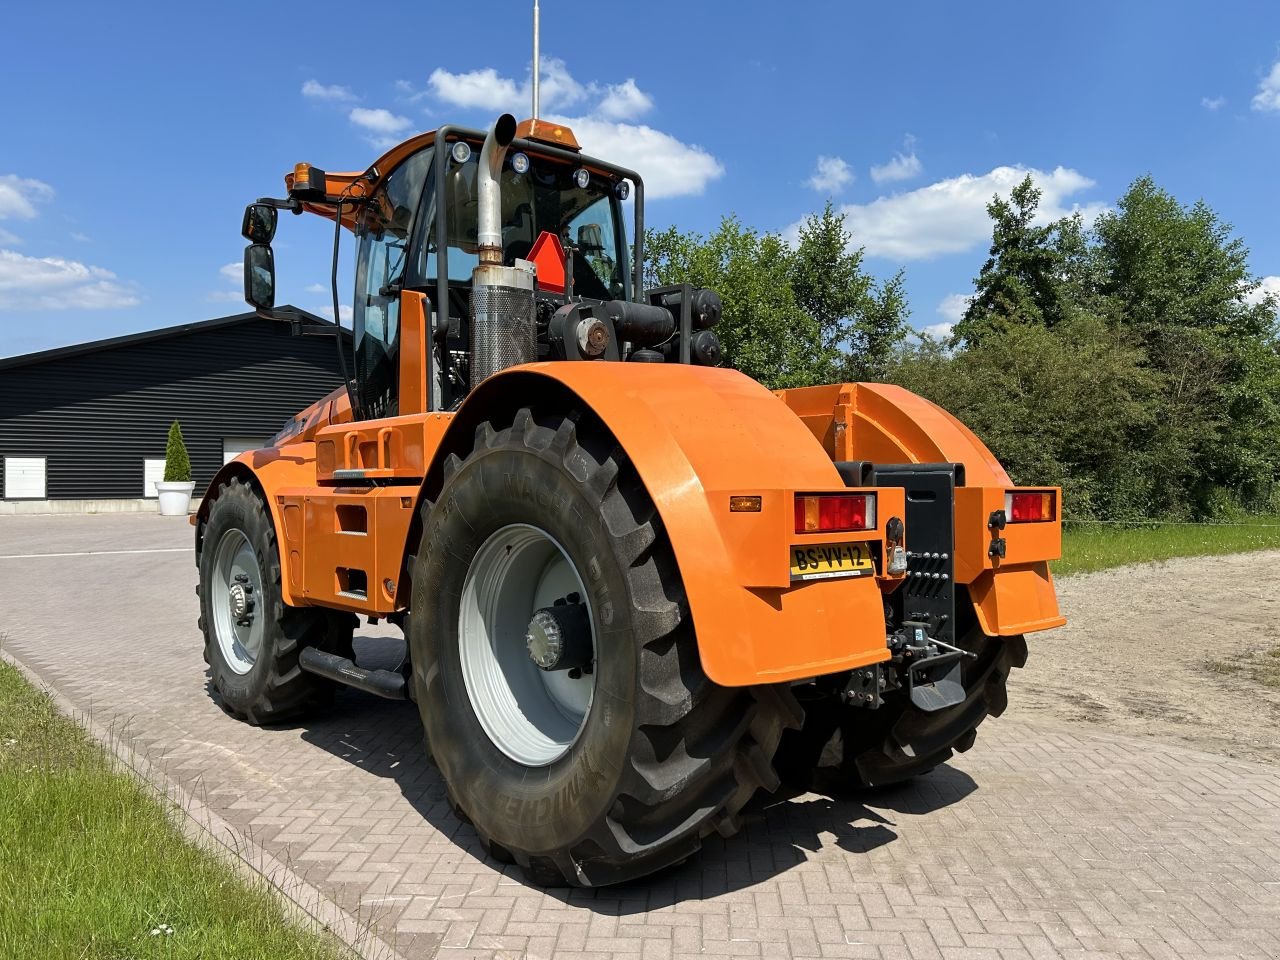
point(814, 562)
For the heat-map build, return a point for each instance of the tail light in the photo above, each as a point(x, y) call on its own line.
point(835, 512)
point(1035, 506)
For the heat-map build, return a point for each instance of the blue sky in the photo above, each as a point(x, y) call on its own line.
point(132, 140)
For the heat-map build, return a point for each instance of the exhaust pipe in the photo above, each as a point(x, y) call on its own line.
point(494, 151)
point(503, 331)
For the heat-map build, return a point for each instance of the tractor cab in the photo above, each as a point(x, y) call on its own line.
point(477, 252)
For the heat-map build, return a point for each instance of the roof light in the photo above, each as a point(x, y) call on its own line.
point(1034, 506)
point(460, 151)
point(520, 162)
point(834, 513)
point(582, 177)
point(623, 189)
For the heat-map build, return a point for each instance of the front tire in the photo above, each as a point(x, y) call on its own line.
point(635, 771)
point(251, 637)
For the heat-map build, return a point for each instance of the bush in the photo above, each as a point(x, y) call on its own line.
point(177, 465)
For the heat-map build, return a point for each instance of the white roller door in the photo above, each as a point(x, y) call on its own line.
point(232, 447)
point(24, 478)
point(152, 473)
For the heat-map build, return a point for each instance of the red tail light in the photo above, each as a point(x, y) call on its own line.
point(835, 512)
point(1030, 507)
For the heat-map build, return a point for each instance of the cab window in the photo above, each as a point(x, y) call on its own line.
point(382, 231)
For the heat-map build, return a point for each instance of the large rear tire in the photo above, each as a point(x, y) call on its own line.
point(646, 759)
point(251, 637)
point(872, 748)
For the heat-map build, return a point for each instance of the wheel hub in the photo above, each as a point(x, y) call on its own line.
point(238, 598)
point(559, 636)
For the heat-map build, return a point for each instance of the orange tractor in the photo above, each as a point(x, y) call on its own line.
point(635, 586)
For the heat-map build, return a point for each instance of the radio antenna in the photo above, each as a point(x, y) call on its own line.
point(536, 64)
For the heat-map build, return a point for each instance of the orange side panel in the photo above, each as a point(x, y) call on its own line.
point(698, 435)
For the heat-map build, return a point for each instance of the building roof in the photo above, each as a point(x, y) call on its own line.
point(286, 313)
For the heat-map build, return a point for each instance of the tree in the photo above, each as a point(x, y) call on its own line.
point(177, 465)
point(1024, 278)
point(1177, 278)
point(792, 316)
point(860, 323)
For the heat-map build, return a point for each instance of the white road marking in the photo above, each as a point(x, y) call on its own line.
point(91, 553)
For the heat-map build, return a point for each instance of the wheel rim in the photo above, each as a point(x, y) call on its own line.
point(237, 600)
point(533, 716)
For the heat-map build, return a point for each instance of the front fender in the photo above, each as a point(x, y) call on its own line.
point(696, 436)
point(268, 470)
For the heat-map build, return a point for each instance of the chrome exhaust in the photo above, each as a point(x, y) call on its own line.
point(503, 331)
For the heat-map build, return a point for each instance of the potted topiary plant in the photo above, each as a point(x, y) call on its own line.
point(175, 489)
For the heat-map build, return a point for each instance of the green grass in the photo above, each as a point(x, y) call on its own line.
point(1089, 547)
point(91, 862)
point(1267, 671)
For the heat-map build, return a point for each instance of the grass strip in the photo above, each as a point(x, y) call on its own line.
point(94, 866)
point(1088, 547)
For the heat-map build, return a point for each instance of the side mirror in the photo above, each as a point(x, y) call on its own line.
point(260, 277)
point(259, 225)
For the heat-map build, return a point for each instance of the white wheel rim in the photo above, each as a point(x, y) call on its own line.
point(236, 601)
point(532, 715)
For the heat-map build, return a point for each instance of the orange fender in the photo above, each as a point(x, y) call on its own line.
point(883, 423)
point(696, 436)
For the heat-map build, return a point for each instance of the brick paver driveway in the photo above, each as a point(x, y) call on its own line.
point(1042, 842)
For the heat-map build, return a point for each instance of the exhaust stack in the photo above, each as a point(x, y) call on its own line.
point(503, 332)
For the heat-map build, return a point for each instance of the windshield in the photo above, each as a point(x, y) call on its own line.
point(543, 199)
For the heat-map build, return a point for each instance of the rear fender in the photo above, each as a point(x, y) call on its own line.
point(698, 436)
point(882, 423)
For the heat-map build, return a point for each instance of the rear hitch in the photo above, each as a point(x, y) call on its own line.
point(932, 667)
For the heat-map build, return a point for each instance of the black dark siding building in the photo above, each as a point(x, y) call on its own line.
point(98, 414)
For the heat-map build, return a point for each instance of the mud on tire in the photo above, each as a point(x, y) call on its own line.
point(664, 756)
point(273, 688)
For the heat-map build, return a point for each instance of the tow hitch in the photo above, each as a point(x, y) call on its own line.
point(932, 667)
point(928, 667)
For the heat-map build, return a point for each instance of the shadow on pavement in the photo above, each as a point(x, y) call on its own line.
point(780, 831)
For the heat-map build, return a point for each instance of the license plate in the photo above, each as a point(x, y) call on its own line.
point(818, 561)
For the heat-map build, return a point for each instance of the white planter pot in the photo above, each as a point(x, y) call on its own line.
point(175, 498)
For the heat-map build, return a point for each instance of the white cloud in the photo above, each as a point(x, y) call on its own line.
point(317, 288)
point(12, 239)
point(232, 272)
point(953, 306)
point(486, 89)
point(939, 331)
point(344, 310)
point(624, 101)
point(478, 89)
point(1269, 286)
point(19, 196)
point(831, 174)
point(669, 168)
point(333, 92)
point(950, 216)
point(903, 166)
point(1267, 98)
point(1213, 103)
point(79, 237)
point(378, 120)
point(51, 283)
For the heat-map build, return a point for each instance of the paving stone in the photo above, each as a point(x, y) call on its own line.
point(1044, 842)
